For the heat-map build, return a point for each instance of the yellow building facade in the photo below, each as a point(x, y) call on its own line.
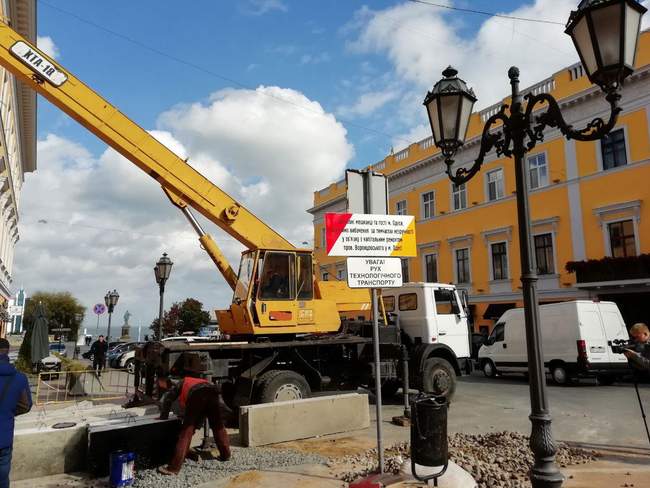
point(589, 205)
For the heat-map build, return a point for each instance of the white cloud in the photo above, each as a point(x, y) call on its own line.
point(315, 58)
point(260, 7)
point(368, 103)
point(107, 222)
point(420, 41)
point(46, 44)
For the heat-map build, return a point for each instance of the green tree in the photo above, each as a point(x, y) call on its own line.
point(61, 310)
point(185, 316)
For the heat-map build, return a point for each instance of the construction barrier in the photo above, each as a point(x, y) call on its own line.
point(75, 386)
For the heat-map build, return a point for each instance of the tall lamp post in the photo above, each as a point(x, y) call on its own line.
point(162, 270)
point(605, 34)
point(110, 299)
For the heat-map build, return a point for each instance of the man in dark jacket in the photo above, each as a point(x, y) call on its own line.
point(640, 359)
point(99, 349)
point(198, 399)
point(15, 399)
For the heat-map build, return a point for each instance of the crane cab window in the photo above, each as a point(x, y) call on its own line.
point(305, 277)
point(246, 267)
point(278, 277)
point(446, 303)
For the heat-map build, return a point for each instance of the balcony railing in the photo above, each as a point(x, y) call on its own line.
point(611, 269)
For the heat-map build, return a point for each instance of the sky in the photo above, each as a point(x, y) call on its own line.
point(269, 99)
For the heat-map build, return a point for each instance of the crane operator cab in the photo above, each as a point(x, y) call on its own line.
point(275, 294)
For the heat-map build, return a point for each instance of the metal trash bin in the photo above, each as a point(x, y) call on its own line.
point(122, 469)
point(429, 443)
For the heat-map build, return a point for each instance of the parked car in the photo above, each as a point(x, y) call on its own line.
point(111, 345)
point(116, 354)
point(59, 348)
point(576, 339)
point(51, 364)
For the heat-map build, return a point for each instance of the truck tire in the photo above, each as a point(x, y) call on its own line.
point(281, 385)
point(560, 375)
point(489, 369)
point(439, 377)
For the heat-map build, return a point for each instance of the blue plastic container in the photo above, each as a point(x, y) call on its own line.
point(122, 469)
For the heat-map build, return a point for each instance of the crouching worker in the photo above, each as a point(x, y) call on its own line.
point(198, 400)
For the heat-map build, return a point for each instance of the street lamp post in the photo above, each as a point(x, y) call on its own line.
point(605, 34)
point(110, 299)
point(162, 270)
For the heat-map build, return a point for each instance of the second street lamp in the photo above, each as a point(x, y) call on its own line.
point(605, 34)
point(162, 270)
point(110, 299)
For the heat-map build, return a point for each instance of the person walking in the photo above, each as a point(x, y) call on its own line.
point(198, 398)
point(15, 399)
point(99, 350)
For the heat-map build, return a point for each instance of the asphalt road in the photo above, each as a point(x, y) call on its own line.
point(585, 413)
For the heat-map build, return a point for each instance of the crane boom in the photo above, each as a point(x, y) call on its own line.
point(68, 93)
point(277, 291)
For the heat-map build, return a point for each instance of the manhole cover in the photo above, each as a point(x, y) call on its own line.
point(64, 425)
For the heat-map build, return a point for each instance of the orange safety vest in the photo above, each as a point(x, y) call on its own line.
point(188, 384)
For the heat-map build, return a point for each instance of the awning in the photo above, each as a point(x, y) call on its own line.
point(496, 310)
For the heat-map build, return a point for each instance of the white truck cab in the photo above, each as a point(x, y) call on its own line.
point(434, 320)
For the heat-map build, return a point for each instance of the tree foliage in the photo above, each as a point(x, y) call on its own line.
point(185, 316)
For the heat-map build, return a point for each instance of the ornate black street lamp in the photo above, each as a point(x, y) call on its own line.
point(110, 299)
point(162, 270)
point(605, 34)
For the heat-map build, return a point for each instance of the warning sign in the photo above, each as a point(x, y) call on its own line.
point(370, 235)
point(374, 272)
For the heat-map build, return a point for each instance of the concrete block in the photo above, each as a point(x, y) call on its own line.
point(47, 452)
point(270, 423)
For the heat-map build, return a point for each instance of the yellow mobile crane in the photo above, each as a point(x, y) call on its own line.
point(276, 292)
point(276, 295)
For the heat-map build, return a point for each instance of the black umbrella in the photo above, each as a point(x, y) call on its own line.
point(40, 341)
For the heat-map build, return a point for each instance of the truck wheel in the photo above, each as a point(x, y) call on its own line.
point(439, 377)
point(560, 375)
point(130, 366)
point(281, 385)
point(489, 370)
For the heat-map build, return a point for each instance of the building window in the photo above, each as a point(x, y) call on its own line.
point(431, 268)
point(495, 184)
point(400, 207)
point(405, 270)
point(544, 254)
point(499, 261)
point(323, 238)
point(537, 171)
point(612, 148)
point(621, 239)
point(462, 265)
point(459, 193)
point(428, 205)
point(340, 274)
point(577, 72)
point(326, 276)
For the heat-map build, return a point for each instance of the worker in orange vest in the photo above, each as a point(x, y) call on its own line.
point(198, 398)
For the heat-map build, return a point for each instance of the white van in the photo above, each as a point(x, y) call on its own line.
point(576, 339)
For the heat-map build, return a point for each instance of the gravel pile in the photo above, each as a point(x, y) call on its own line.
point(243, 459)
point(499, 460)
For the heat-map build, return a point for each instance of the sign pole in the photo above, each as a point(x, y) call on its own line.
point(378, 406)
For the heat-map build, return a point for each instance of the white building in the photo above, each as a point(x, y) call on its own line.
point(17, 143)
